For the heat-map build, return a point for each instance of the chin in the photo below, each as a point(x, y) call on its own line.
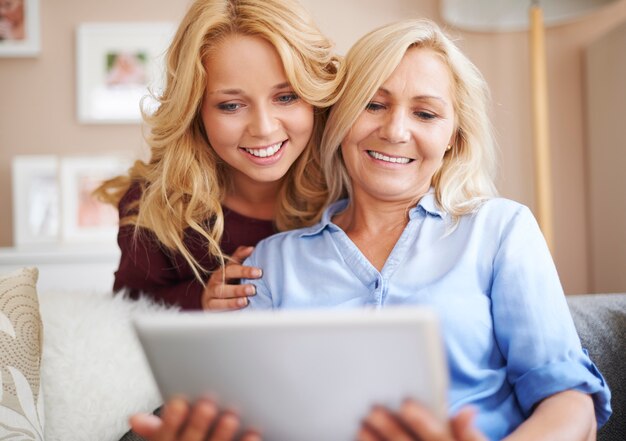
point(268, 178)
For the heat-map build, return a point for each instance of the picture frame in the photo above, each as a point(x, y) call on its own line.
point(19, 28)
point(84, 218)
point(36, 200)
point(117, 65)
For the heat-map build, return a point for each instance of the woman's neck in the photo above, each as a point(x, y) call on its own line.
point(373, 219)
point(252, 198)
point(374, 226)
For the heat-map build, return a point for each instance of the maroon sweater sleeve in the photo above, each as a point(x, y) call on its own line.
point(148, 268)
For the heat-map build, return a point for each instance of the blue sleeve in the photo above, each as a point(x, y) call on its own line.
point(533, 326)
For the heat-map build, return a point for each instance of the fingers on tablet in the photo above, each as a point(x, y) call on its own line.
point(201, 418)
point(226, 427)
point(382, 424)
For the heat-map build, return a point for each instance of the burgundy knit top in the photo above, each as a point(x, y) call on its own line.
point(148, 268)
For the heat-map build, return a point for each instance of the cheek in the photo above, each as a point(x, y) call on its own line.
point(440, 141)
point(221, 131)
point(435, 152)
point(350, 153)
point(436, 159)
point(362, 130)
point(300, 121)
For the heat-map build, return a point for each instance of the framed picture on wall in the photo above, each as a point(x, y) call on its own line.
point(19, 28)
point(84, 218)
point(36, 200)
point(118, 64)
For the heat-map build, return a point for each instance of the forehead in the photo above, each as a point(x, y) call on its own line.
point(242, 57)
point(421, 72)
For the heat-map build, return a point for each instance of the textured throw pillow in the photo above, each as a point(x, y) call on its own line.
point(21, 399)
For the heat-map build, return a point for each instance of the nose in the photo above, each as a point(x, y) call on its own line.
point(262, 122)
point(394, 128)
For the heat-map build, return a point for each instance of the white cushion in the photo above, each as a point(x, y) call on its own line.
point(94, 371)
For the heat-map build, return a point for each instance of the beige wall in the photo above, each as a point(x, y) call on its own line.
point(38, 112)
point(606, 160)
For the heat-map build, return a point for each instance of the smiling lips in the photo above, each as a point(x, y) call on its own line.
point(265, 152)
point(391, 159)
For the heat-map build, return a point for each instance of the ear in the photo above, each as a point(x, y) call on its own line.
point(455, 138)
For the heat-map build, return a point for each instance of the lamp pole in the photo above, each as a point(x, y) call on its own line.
point(541, 133)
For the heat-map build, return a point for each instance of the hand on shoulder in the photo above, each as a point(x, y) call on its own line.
point(223, 292)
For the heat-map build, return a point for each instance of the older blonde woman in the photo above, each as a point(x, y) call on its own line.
point(408, 155)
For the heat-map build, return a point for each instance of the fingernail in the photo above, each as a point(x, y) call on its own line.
point(242, 301)
point(256, 272)
point(250, 290)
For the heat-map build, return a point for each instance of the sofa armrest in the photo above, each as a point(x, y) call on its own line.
point(600, 320)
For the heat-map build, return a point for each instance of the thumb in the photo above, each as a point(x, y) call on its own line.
point(463, 426)
point(145, 425)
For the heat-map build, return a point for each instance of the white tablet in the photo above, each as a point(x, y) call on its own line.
point(300, 375)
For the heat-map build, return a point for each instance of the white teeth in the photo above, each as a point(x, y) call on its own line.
point(265, 152)
point(395, 159)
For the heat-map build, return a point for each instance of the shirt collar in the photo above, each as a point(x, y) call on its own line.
point(326, 221)
point(426, 205)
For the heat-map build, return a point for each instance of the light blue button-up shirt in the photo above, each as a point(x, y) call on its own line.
point(510, 340)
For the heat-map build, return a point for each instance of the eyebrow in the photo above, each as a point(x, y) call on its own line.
point(240, 91)
point(417, 97)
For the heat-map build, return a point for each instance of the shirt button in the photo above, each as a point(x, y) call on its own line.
point(376, 284)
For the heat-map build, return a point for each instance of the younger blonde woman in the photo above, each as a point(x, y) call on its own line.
point(234, 151)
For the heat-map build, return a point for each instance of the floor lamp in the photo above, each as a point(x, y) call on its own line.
point(516, 15)
point(541, 126)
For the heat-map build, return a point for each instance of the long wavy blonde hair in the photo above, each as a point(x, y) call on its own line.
point(466, 177)
point(185, 181)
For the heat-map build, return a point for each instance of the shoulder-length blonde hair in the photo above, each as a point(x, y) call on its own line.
point(185, 181)
point(466, 176)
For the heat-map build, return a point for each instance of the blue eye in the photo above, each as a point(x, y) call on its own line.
point(229, 107)
point(287, 98)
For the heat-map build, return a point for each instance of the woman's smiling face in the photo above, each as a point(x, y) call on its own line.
point(253, 118)
point(398, 142)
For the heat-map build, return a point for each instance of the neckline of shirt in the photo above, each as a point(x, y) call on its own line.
point(230, 212)
point(427, 204)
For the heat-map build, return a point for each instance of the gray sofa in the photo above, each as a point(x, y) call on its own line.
point(601, 323)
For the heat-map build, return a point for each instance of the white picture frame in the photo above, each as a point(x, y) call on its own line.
point(36, 200)
point(84, 219)
point(117, 65)
point(20, 29)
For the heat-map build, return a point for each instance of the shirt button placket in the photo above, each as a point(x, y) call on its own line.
point(378, 291)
